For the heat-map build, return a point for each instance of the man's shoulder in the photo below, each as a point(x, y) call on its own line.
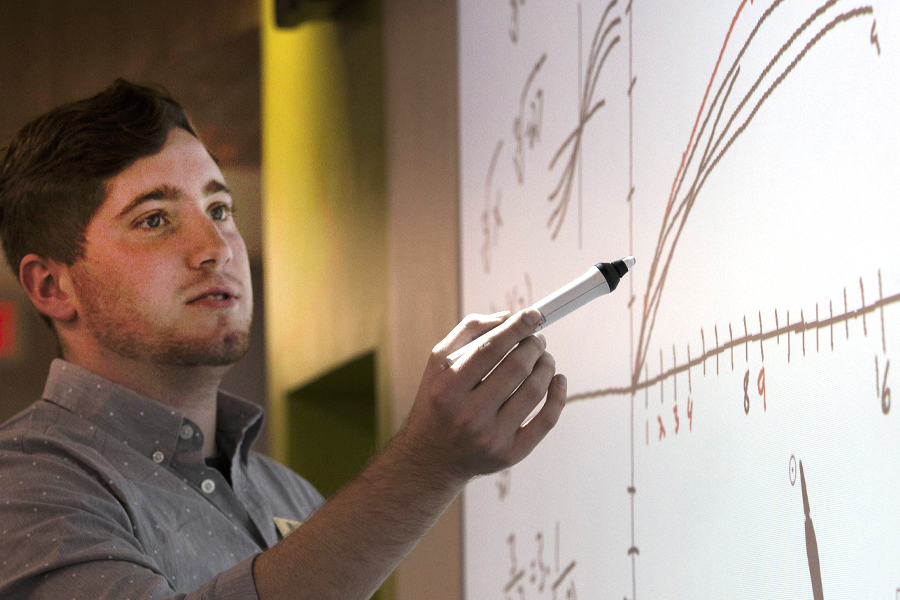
point(46, 434)
point(40, 460)
point(41, 416)
point(34, 421)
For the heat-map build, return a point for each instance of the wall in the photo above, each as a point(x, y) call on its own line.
point(422, 165)
point(325, 248)
point(324, 199)
point(53, 52)
point(324, 218)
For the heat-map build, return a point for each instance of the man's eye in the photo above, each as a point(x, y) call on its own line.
point(153, 221)
point(221, 212)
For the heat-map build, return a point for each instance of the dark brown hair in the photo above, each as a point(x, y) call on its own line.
point(54, 172)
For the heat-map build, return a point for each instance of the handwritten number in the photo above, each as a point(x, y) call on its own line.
point(540, 571)
point(884, 391)
point(746, 396)
point(761, 385)
point(873, 37)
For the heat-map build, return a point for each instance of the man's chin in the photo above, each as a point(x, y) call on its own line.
point(232, 349)
point(224, 352)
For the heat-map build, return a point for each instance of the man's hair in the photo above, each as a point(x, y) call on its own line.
point(54, 173)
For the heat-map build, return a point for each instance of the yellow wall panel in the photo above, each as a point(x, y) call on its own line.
point(324, 211)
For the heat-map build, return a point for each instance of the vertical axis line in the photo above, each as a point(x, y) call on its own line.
point(632, 490)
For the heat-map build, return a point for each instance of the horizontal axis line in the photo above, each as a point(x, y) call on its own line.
point(799, 327)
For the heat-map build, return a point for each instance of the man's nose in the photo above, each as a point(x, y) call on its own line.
point(209, 248)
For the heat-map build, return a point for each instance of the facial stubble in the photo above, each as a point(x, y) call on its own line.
point(120, 327)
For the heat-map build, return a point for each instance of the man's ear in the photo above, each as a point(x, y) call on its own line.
point(48, 284)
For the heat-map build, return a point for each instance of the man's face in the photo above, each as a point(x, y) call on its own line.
point(165, 276)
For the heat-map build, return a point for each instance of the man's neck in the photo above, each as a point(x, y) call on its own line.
point(189, 390)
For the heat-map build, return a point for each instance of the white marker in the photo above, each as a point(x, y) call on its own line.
point(599, 280)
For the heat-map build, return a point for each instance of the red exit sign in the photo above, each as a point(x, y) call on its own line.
point(7, 328)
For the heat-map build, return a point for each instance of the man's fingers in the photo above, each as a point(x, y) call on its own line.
point(528, 396)
point(497, 344)
point(525, 371)
point(470, 328)
point(531, 434)
point(474, 409)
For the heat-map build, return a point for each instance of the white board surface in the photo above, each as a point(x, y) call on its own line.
point(748, 155)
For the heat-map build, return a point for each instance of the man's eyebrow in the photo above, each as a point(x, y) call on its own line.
point(168, 192)
point(215, 186)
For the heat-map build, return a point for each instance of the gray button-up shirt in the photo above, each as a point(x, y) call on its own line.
point(104, 494)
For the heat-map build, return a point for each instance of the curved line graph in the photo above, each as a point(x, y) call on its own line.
point(713, 143)
point(715, 130)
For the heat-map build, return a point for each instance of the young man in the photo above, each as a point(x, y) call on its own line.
point(133, 476)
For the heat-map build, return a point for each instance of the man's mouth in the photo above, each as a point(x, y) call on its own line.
point(217, 296)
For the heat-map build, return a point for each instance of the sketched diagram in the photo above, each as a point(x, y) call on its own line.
point(769, 113)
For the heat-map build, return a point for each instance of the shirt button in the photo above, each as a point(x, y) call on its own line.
point(208, 486)
point(187, 432)
point(158, 457)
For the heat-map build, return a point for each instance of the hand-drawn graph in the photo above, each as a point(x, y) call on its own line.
point(713, 143)
point(605, 39)
point(762, 134)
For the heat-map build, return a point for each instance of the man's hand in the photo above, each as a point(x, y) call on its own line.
point(467, 419)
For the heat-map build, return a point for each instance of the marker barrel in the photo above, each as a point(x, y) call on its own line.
point(572, 296)
point(598, 281)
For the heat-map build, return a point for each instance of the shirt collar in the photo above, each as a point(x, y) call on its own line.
point(142, 423)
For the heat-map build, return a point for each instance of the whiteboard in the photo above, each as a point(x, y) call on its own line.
point(748, 155)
